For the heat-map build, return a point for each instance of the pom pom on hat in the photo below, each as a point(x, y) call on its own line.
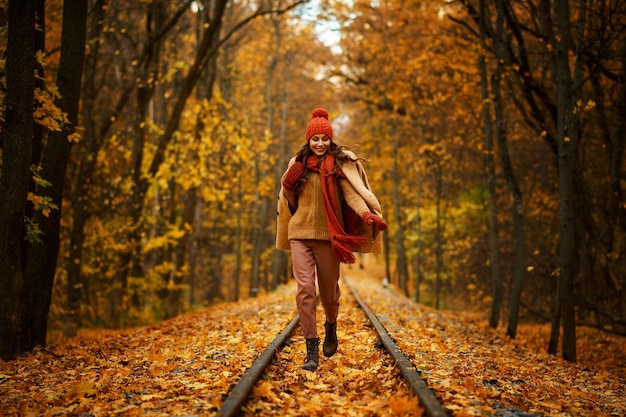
point(319, 124)
point(319, 113)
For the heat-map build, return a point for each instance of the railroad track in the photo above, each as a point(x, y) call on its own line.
point(239, 395)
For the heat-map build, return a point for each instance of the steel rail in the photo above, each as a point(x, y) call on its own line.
point(431, 404)
point(239, 394)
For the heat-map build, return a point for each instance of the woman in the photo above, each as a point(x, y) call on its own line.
point(326, 211)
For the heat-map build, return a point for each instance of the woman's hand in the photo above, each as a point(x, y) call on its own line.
point(374, 220)
point(292, 176)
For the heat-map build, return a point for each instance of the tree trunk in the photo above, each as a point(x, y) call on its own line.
point(279, 257)
point(418, 232)
point(216, 267)
point(555, 333)
point(258, 242)
point(567, 140)
point(40, 83)
point(90, 146)
point(42, 257)
point(509, 176)
point(37, 143)
point(401, 262)
point(439, 236)
point(238, 244)
point(193, 254)
point(15, 174)
point(182, 250)
point(387, 256)
point(488, 154)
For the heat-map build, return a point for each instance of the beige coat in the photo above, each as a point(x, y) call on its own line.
point(356, 192)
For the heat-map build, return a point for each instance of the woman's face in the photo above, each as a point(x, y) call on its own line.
point(319, 144)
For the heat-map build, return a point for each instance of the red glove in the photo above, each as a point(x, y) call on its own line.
point(374, 220)
point(292, 176)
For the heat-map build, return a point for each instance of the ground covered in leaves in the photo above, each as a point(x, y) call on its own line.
point(187, 365)
point(361, 379)
point(477, 371)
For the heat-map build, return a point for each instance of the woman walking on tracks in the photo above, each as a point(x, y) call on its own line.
point(326, 211)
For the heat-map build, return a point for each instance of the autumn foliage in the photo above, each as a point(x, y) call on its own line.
point(187, 115)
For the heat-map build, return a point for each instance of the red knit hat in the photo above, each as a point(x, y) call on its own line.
point(319, 124)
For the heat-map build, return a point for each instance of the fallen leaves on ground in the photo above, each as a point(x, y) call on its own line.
point(359, 380)
point(187, 365)
point(477, 371)
point(182, 366)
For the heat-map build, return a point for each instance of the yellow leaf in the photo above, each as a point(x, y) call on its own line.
point(264, 390)
point(403, 406)
point(85, 388)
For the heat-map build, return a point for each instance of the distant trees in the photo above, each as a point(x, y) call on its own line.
point(555, 58)
point(493, 133)
point(551, 96)
point(133, 239)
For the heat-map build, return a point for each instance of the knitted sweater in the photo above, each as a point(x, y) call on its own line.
point(303, 217)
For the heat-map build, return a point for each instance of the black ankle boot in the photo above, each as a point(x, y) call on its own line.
point(312, 354)
point(330, 340)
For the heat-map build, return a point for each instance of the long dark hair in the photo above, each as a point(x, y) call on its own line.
point(337, 150)
point(334, 149)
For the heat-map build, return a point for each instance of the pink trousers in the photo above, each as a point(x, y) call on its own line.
point(309, 256)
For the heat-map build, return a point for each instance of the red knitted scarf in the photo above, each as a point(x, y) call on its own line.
point(340, 241)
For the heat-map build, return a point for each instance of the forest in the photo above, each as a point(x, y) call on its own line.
point(143, 142)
